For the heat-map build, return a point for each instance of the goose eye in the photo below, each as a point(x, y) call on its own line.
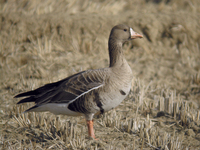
point(125, 30)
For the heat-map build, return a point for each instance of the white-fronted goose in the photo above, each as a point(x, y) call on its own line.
point(91, 91)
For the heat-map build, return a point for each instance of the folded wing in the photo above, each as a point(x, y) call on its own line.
point(66, 90)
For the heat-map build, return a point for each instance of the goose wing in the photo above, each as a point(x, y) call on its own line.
point(66, 90)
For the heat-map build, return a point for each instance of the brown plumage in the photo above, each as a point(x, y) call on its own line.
point(92, 91)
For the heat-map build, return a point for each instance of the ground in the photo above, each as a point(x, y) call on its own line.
point(45, 41)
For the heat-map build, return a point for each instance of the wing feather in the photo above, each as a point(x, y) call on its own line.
point(66, 90)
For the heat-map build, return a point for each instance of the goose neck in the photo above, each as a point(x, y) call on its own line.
point(115, 52)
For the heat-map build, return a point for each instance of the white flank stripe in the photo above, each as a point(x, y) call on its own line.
point(85, 93)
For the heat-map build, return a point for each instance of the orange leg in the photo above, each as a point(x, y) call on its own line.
point(90, 128)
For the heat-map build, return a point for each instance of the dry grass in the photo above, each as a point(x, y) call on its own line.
point(43, 42)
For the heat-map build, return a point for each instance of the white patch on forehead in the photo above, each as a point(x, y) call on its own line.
point(132, 32)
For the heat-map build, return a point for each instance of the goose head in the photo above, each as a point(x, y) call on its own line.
point(118, 36)
point(123, 33)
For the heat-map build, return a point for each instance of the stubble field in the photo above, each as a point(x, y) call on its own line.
point(45, 41)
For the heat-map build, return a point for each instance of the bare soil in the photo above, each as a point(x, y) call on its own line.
point(45, 41)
